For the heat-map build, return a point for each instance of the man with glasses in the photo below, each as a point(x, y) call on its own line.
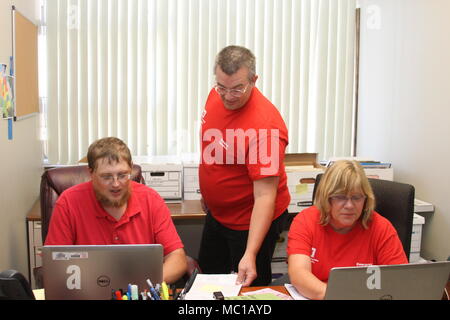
point(242, 176)
point(112, 210)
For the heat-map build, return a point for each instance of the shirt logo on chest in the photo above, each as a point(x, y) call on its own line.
point(313, 255)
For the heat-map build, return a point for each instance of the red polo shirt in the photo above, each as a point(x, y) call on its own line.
point(238, 148)
point(79, 219)
point(377, 245)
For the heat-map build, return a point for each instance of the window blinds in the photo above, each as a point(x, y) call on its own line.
point(141, 70)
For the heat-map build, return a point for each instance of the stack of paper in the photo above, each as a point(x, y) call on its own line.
point(206, 284)
point(294, 293)
point(422, 206)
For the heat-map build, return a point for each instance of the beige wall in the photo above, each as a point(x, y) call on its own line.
point(20, 160)
point(404, 114)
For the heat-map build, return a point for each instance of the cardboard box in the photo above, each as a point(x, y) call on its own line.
point(422, 206)
point(301, 171)
point(416, 238)
point(383, 173)
point(163, 174)
point(191, 184)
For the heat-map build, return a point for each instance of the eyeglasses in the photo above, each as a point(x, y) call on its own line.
point(237, 93)
point(110, 178)
point(342, 199)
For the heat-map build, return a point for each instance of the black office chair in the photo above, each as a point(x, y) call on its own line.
point(395, 202)
point(14, 286)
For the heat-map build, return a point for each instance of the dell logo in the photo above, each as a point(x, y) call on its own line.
point(103, 281)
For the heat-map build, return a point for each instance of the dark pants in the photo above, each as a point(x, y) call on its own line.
point(221, 249)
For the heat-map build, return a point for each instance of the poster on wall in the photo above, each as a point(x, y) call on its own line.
point(6, 93)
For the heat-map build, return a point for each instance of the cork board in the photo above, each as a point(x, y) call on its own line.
point(26, 65)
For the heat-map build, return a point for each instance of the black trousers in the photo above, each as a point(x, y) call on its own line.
point(221, 249)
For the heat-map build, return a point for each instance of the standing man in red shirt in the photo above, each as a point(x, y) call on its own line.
point(242, 175)
point(111, 210)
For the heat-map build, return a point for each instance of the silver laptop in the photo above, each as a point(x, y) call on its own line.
point(92, 272)
point(425, 281)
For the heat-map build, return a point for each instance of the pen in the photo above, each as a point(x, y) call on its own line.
point(188, 285)
point(152, 290)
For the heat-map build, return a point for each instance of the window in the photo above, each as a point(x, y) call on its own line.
point(141, 70)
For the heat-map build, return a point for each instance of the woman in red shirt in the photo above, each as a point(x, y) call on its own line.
point(340, 230)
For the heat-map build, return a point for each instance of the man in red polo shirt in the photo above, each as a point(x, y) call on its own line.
point(242, 176)
point(110, 209)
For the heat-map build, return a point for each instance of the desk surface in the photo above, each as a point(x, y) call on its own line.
point(40, 293)
point(187, 209)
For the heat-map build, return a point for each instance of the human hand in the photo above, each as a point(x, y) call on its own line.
point(246, 270)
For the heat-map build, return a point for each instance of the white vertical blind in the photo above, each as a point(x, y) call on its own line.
point(141, 70)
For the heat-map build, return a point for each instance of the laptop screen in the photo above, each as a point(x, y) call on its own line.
point(93, 272)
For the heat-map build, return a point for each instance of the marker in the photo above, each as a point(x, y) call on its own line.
point(125, 297)
point(152, 290)
point(134, 292)
point(118, 295)
point(164, 291)
point(129, 289)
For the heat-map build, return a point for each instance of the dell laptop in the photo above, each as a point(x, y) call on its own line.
point(424, 281)
point(93, 272)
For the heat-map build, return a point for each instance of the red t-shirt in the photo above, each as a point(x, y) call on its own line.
point(79, 219)
point(239, 147)
point(377, 245)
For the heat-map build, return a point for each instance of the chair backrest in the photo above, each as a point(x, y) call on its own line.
point(55, 181)
point(395, 202)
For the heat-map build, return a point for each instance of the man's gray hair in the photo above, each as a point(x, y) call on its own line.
point(230, 59)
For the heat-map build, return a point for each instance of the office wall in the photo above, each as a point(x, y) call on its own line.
point(404, 102)
point(20, 160)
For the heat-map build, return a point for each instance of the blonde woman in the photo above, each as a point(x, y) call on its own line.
point(340, 230)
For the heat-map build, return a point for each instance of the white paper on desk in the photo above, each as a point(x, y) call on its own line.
point(206, 284)
point(294, 293)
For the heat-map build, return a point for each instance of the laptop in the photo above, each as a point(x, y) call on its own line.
point(92, 272)
point(423, 281)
